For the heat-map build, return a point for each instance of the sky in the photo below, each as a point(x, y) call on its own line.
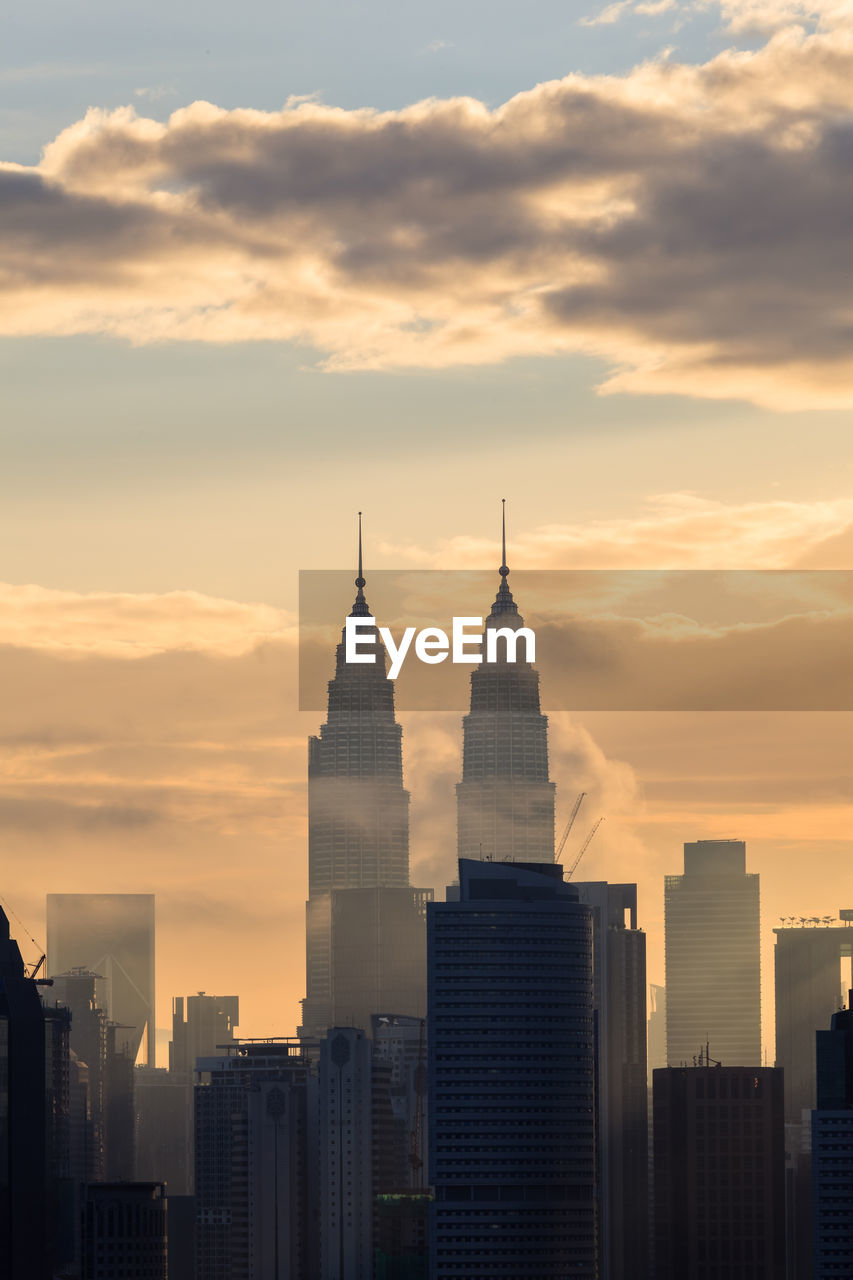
point(261, 267)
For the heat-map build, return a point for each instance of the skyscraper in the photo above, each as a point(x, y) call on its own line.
point(111, 935)
point(76, 991)
point(345, 1156)
point(365, 954)
point(202, 1026)
point(808, 992)
point(511, 1076)
point(713, 975)
point(254, 1204)
point(808, 961)
point(832, 1150)
point(505, 801)
point(619, 967)
point(719, 1173)
point(23, 1134)
point(124, 1231)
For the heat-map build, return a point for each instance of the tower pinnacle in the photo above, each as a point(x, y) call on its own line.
point(360, 609)
point(504, 602)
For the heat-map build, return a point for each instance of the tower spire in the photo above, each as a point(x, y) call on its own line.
point(361, 608)
point(504, 602)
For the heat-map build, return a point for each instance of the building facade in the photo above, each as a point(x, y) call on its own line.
point(832, 1150)
point(511, 1071)
point(809, 991)
point(719, 1159)
point(254, 1202)
point(124, 1231)
point(23, 1130)
point(619, 968)
point(345, 1155)
point(713, 959)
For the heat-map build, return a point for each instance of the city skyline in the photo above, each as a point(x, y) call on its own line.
point(173, 453)
point(615, 855)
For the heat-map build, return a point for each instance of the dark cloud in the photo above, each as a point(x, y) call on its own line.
point(687, 223)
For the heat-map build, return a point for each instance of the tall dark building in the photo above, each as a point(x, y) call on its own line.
point(124, 1231)
point(713, 961)
point(622, 1098)
point(511, 1076)
point(832, 1150)
point(365, 954)
point(719, 1173)
point(254, 1203)
point(344, 1145)
point(23, 1132)
point(505, 801)
point(808, 962)
point(76, 991)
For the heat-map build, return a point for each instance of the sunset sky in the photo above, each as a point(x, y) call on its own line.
point(263, 266)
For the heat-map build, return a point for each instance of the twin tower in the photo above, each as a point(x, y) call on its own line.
point(365, 922)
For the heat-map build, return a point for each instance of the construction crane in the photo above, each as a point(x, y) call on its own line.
point(571, 822)
point(415, 1158)
point(573, 868)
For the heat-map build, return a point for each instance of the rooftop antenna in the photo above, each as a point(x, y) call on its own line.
point(503, 569)
point(359, 582)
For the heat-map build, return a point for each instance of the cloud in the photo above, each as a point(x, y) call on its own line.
point(686, 224)
point(739, 17)
point(672, 531)
point(127, 625)
point(155, 92)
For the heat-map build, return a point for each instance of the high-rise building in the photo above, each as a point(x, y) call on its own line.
point(364, 954)
point(399, 1043)
point(119, 1108)
point(713, 974)
point(163, 1129)
point(832, 1150)
point(505, 801)
point(76, 992)
point(23, 1132)
point(376, 962)
point(202, 1026)
point(111, 935)
point(345, 1155)
point(719, 1173)
point(255, 1205)
point(511, 1074)
point(124, 1231)
point(809, 957)
point(619, 951)
point(401, 1235)
point(809, 990)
